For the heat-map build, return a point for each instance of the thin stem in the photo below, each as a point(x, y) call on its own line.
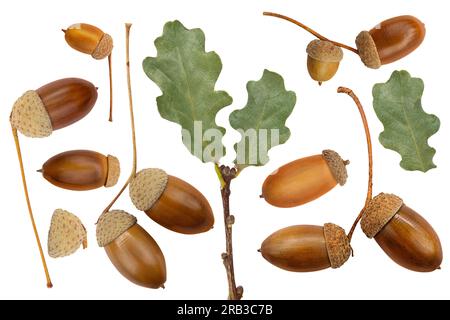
point(30, 211)
point(227, 174)
point(110, 88)
point(133, 128)
point(369, 151)
point(314, 33)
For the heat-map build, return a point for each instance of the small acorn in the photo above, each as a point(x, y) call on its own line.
point(81, 170)
point(66, 234)
point(54, 106)
point(91, 40)
point(171, 202)
point(406, 237)
point(307, 248)
point(133, 252)
point(323, 60)
point(390, 41)
point(304, 180)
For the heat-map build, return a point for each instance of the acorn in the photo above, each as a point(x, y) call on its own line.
point(54, 106)
point(390, 41)
point(406, 237)
point(81, 170)
point(66, 234)
point(171, 202)
point(133, 252)
point(91, 40)
point(323, 60)
point(304, 180)
point(307, 248)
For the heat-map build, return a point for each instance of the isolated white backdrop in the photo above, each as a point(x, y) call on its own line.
point(33, 52)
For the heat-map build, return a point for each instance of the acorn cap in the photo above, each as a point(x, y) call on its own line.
point(103, 48)
point(147, 187)
point(113, 171)
point(338, 245)
point(367, 50)
point(66, 234)
point(336, 165)
point(324, 51)
point(30, 116)
point(379, 212)
point(112, 225)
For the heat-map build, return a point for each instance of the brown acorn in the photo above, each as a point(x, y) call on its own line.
point(91, 40)
point(323, 60)
point(307, 248)
point(133, 252)
point(171, 202)
point(81, 170)
point(54, 106)
point(304, 180)
point(390, 41)
point(406, 237)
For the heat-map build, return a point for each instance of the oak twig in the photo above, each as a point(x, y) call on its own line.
point(228, 174)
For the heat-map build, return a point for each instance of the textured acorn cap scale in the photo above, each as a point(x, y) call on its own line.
point(336, 165)
point(66, 234)
point(324, 51)
point(113, 171)
point(379, 212)
point(112, 225)
point(103, 48)
point(30, 116)
point(338, 245)
point(147, 187)
point(367, 50)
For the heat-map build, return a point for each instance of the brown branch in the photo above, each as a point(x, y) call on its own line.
point(369, 151)
point(110, 88)
point(308, 29)
point(227, 174)
point(30, 211)
point(133, 128)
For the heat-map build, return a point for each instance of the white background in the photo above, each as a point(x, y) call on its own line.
point(33, 53)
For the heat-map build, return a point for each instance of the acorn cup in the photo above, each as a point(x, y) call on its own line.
point(171, 202)
point(323, 60)
point(305, 180)
point(307, 248)
point(66, 234)
point(390, 41)
point(406, 237)
point(81, 170)
point(91, 40)
point(133, 252)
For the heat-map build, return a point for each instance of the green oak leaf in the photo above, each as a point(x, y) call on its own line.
point(407, 127)
point(187, 75)
point(261, 122)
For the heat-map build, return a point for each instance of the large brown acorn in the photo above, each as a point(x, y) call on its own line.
point(133, 252)
point(81, 170)
point(390, 41)
point(307, 248)
point(171, 202)
point(405, 236)
point(54, 106)
point(304, 180)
